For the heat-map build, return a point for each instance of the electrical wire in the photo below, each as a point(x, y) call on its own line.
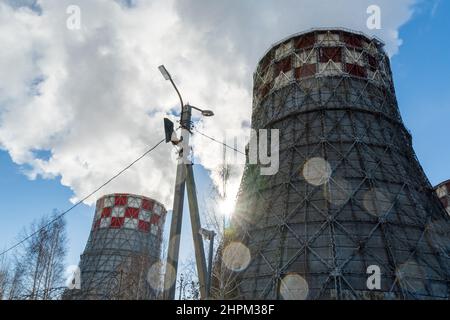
point(83, 199)
point(222, 143)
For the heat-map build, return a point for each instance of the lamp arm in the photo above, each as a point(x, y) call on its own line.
point(178, 92)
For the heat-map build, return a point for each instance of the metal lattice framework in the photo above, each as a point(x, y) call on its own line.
point(124, 243)
point(331, 95)
point(443, 192)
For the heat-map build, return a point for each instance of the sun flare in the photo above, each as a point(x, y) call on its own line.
point(226, 207)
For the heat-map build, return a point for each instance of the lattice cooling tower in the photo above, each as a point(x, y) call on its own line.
point(125, 241)
point(350, 192)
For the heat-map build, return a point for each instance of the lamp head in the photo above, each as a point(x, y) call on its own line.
point(207, 113)
point(164, 72)
point(207, 234)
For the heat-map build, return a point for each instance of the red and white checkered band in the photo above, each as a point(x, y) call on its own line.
point(129, 212)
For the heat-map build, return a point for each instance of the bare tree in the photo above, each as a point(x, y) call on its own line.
point(188, 284)
point(53, 276)
point(15, 287)
point(223, 282)
point(38, 272)
point(130, 279)
point(4, 276)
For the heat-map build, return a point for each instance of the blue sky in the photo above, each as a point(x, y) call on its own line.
point(421, 72)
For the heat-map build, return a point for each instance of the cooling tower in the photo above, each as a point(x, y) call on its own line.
point(443, 192)
point(350, 214)
point(124, 243)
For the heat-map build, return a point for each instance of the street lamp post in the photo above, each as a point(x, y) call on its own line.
point(209, 235)
point(184, 177)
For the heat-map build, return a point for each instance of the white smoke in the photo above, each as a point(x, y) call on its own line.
point(95, 100)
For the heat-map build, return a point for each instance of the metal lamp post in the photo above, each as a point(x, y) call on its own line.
point(209, 235)
point(184, 178)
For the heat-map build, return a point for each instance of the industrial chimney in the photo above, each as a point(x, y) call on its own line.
point(350, 213)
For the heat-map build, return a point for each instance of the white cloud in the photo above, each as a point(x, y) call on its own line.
point(95, 98)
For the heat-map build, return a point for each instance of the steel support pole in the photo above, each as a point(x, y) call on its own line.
point(196, 225)
point(184, 179)
point(175, 232)
point(210, 260)
point(177, 212)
